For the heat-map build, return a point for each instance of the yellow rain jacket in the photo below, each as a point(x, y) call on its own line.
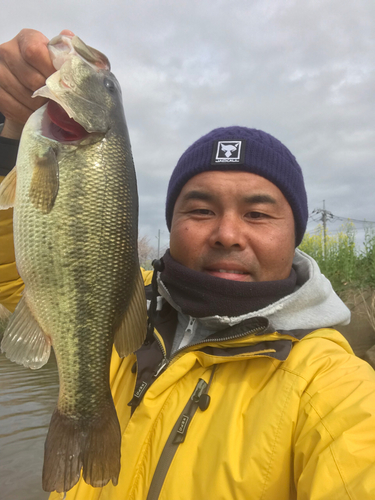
point(299, 429)
point(250, 413)
point(11, 285)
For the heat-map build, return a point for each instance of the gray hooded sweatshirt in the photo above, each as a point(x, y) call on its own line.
point(312, 305)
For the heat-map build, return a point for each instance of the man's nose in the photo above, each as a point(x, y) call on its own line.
point(229, 232)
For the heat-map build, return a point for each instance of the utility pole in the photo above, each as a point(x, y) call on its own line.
point(158, 243)
point(324, 219)
point(326, 215)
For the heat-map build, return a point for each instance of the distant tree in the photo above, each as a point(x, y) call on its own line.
point(146, 252)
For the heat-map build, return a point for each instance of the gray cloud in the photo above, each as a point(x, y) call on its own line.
point(302, 71)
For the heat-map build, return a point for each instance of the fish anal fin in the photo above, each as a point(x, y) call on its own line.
point(24, 341)
point(132, 330)
point(8, 190)
point(4, 312)
point(72, 443)
point(45, 181)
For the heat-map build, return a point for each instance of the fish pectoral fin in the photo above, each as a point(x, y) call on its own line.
point(24, 341)
point(45, 181)
point(132, 331)
point(8, 190)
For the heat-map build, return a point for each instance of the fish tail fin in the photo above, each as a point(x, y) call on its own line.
point(131, 333)
point(72, 443)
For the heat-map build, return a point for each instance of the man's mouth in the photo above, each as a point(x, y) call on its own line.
point(230, 271)
point(229, 274)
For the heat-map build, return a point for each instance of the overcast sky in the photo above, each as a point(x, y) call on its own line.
point(302, 70)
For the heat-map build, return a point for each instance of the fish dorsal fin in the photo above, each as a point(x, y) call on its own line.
point(24, 341)
point(8, 190)
point(45, 181)
point(132, 331)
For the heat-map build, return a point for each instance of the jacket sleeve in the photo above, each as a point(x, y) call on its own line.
point(334, 447)
point(11, 285)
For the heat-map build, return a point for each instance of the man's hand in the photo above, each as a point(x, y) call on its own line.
point(25, 65)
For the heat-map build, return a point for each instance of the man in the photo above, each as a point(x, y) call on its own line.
point(241, 390)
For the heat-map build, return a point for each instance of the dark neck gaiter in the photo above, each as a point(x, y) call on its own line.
point(200, 295)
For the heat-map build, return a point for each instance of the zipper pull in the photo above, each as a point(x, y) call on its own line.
point(188, 333)
point(198, 391)
point(189, 411)
point(199, 396)
point(190, 325)
point(162, 366)
point(138, 396)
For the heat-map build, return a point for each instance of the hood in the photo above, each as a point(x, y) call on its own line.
point(312, 305)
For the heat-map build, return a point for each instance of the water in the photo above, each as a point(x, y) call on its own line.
point(27, 400)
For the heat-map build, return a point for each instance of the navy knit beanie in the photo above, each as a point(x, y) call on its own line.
point(246, 150)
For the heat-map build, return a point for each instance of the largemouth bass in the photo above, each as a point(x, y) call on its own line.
point(75, 232)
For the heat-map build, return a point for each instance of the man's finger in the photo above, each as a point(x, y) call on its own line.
point(17, 72)
point(12, 86)
point(13, 109)
point(33, 49)
point(25, 64)
point(67, 32)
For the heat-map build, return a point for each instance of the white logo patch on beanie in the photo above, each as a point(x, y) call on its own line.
point(227, 152)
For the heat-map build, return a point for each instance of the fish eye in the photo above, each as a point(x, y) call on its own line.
point(109, 85)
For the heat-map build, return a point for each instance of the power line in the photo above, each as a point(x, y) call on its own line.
point(317, 230)
point(323, 215)
point(330, 216)
point(354, 220)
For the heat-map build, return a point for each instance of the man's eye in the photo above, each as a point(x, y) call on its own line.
point(201, 211)
point(256, 215)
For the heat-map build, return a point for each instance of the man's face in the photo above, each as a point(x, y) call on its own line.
point(233, 225)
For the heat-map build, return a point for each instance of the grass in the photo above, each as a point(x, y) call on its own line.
point(344, 263)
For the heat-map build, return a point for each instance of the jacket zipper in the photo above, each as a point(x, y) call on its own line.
point(165, 361)
point(189, 332)
point(176, 437)
point(142, 388)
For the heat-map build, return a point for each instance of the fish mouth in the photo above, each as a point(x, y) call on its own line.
point(62, 122)
point(63, 128)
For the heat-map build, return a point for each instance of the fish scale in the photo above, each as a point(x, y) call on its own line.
point(75, 232)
